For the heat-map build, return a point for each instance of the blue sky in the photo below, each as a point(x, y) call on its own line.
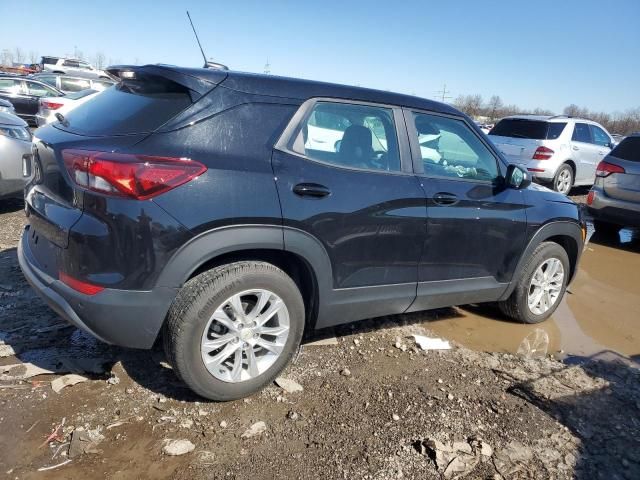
point(542, 53)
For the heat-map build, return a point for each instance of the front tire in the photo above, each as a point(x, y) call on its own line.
point(233, 329)
point(541, 286)
point(563, 181)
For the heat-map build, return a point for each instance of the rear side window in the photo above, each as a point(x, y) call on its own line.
point(581, 133)
point(524, 128)
point(138, 107)
point(49, 60)
point(41, 90)
point(349, 135)
point(9, 85)
point(74, 84)
point(628, 149)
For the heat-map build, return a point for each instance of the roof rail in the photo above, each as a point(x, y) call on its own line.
point(561, 116)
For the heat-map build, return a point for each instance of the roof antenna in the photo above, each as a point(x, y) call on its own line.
point(207, 63)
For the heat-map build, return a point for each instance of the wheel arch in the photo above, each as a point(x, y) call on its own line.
point(566, 234)
point(297, 253)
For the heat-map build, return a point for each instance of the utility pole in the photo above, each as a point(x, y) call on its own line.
point(267, 68)
point(442, 94)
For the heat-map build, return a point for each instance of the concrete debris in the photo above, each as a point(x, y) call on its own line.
point(512, 459)
point(7, 350)
point(395, 417)
point(22, 371)
point(456, 459)
point(288, 385)
point(113, 379)
point(177, 447)
point(534, 345)
point(323, 342)
point(66, 381)
point(186, 423)
point(293, 415)
point(84, 441)
point(223, 424)
point(257, 428)
point(345, 372)
point(428, 343)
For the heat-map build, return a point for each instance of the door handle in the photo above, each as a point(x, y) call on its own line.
point(444, 198)
point(311, 190)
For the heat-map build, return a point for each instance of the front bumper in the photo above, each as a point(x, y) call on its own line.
point(119, 317)
point(607, 209)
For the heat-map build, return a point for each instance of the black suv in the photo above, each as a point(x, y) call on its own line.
point(233, 211)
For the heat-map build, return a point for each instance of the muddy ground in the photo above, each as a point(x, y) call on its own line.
point(374, 404)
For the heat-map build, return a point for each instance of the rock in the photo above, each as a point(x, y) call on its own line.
point(450, 396)
point(292, 415)
point(288, 385)
point(66, 381)
point(178, 447)
point(356, 342)
point(202, 413)
point(113, 379)
point(345, 372)
point(223, 424)
point(257, 428)
point(84, 441)
point(186, 423)
point(395, 417)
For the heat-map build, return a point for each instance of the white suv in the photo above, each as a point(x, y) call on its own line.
point(72, 66)
point(558, 150)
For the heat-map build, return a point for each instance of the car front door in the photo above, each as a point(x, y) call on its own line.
point(584, 153)
point(12, 89)
point(344, 177)
point(476, 226)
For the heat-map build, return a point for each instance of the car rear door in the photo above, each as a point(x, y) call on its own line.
point(12, 89)
point(584, 153)
point(344, 177)
point(476, 226)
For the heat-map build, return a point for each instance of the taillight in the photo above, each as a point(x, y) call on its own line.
point(542, 153)
point(51, 105)
point(129, 175)
point(79, 285)
point(604, 169)
point(590, 196)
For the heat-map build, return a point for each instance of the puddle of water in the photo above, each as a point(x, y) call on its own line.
point(600, 313)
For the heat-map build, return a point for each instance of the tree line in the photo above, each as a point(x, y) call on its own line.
point(17, 55)
point(622, 123)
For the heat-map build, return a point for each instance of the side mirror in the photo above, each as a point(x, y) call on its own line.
point(517, 177)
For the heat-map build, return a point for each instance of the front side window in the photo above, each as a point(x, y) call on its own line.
point(581, 133)
point(349, 135)
point(599, 136)
point(448, 148)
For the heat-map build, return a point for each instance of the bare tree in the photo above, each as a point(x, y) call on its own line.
point(99, 60)
point(18, 55)
point(494, 107)
point(33, 56)
point(6, 57)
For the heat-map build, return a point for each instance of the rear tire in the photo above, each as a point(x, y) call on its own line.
point(563, 181)
point(518, 305)
point(211, 292)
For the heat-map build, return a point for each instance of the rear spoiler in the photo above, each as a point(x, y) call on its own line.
point(199, 81)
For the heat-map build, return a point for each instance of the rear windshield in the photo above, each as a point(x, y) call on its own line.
point(523, 128)
point(49, 60)
point(129, 107)
point(628, 149)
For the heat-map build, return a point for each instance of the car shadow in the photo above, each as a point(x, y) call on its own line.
point(604, 413)
point(627, 239)
point(10, 205)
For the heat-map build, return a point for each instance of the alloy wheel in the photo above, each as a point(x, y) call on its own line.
point(545, 286)
point(563, 182)
point(245, 335)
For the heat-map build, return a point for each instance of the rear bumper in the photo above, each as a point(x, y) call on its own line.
point(119, 317)
point(612, 210)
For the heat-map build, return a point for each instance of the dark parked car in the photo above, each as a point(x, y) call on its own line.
point(232, 211)
point(614, 200)
point(25, 94)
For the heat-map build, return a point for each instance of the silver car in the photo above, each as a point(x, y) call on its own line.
point(559, 151)
point(15, 155)
point(614, 200)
